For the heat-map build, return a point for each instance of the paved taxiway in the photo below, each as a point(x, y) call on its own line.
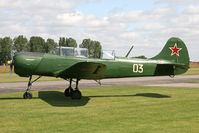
point(177, 81)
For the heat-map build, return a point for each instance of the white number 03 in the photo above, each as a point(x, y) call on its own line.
point(138, 68)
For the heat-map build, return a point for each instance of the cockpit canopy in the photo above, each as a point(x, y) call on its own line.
point(71, 51)
point(108, 54)
point(81, 52)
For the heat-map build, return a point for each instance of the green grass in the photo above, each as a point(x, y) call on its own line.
point(5, 78)
point(103, 110)
point(194, 82)
point(192, 71)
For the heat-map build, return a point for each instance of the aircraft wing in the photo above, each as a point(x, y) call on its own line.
point(84, 70)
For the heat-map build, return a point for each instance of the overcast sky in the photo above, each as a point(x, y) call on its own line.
point(117, 24)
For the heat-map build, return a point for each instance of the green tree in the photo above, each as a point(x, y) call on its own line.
point(141, 57)
point(6, 45)
point(94, 47)
point(67, 42)
point(85, 43)
point(36, 44)
point(97, 49)
point(0, 44)
point(50, 45)
point(20, 43)
point(1, 56)
point(62, 41)
point(70, 42)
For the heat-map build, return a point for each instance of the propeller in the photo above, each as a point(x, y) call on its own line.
point(11, 63)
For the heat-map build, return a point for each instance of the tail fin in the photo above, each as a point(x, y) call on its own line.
point(175, 51)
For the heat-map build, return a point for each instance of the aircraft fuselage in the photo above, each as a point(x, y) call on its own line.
point(50, 65)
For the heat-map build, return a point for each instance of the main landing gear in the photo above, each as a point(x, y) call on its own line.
point(74, 94)
point(28, 94)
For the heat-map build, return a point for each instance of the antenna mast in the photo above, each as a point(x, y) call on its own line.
point(129, 51)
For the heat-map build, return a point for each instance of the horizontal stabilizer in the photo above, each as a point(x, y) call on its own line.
point(170, 69)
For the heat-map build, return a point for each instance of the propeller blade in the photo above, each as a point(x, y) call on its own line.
point(11, 62)
point(10, 69)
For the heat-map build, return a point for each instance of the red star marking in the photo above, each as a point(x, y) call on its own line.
point(175, 50)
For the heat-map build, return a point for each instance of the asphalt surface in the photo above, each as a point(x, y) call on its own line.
point(177, 81)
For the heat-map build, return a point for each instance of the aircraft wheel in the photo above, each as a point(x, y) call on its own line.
point(76, 94)
point(27, 95)
point(68, 92)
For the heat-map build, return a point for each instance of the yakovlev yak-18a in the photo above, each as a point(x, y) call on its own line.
point(172, 60)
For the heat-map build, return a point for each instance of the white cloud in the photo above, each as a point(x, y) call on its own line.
point(151, 27)
point(130, 35)
point(145, 28)
point(132, 16)
point(177, 2)
point(192, 9)
point(71, 19)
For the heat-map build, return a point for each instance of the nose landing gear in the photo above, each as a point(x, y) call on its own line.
point(28, 94)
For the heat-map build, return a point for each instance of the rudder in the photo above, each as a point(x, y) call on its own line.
point(175, 51)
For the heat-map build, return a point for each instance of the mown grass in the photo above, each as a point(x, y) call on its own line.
point(192, 71)
point(103, 110)
point(5, 78)
point(4, 69)
point(194, 82)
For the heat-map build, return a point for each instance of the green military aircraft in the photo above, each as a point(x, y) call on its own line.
point(172, 60)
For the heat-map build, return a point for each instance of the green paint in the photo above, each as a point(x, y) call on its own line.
point(172, 60)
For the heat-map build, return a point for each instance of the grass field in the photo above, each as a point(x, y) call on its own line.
point(103, 110)
point(192, 71)
point(4, 69)
point(5, 78)
point(194, 82)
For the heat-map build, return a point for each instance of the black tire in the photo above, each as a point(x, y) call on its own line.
point(76, 94)
point(27, 95)
point(68, 92)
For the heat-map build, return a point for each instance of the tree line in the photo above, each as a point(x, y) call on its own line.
point(38, 44)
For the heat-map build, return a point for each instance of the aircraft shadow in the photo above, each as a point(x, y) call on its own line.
point(57, 98)
point(15, 98)
point(151, 95)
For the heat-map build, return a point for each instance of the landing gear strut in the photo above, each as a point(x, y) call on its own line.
point(68, 92)
point(74, 94)
point(28, 94)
